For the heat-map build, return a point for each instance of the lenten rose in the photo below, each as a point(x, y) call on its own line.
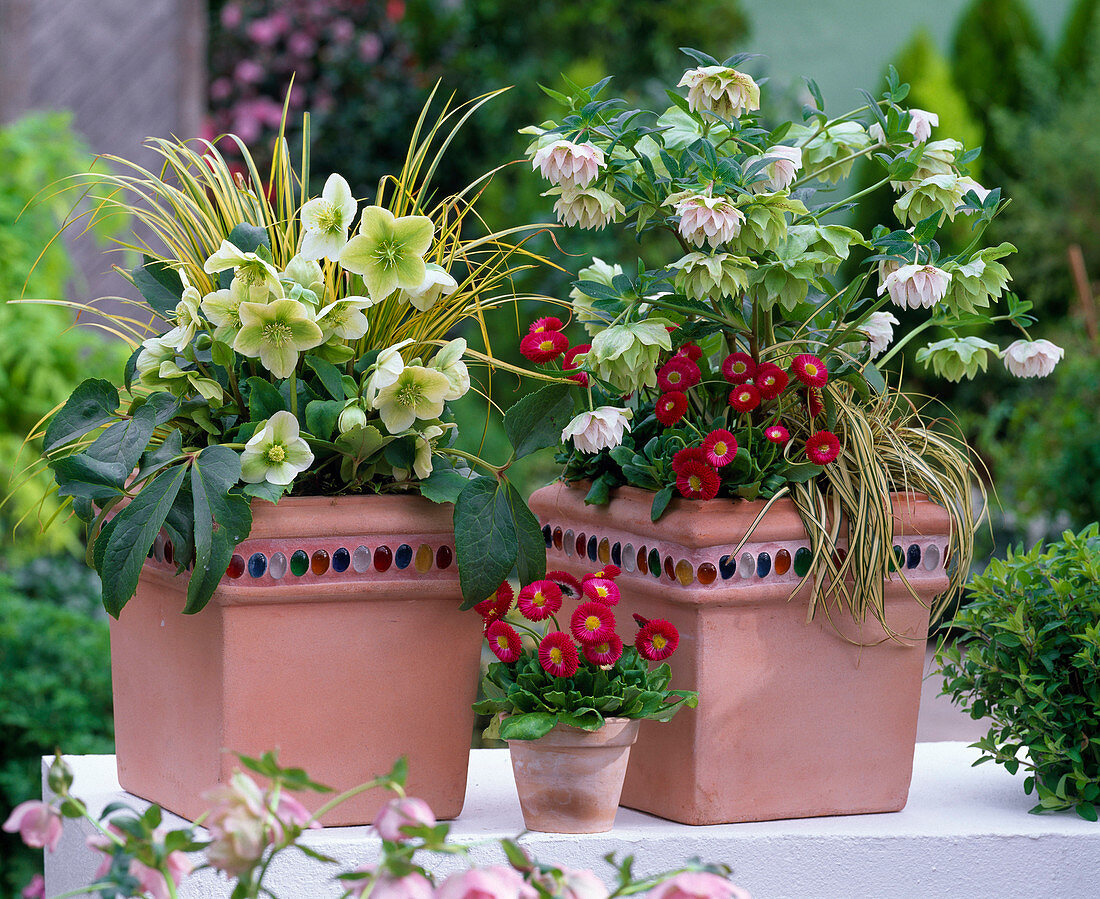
point(568, 164)
point(1032, 358)
point(916, 286)
point(38, 824)
point(599, 429)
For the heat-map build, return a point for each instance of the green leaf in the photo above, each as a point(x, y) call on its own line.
point(486, 543)
point(321, 417)
point(92, 405)
point(152, 460)
point(264, 399)
point(160, 284)
point(247, 238)
point(132, 533)
point(443, 485)
point(330, 376)
point(214, 473)
point(265, 490)
point(599, 494)
point(529, 726)
point(874, 378)
point(122, 444)
point(661, 499)
point(531, 555)
point(536, 421)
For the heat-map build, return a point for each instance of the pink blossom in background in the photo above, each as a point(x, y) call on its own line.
point(153, 882)
point(412, 886)
point(37, 823)
point(698, 885)
point(231, 15)
point(248, 71)
point(245, 125)
point(497, 882)
point(370, 47)
point(343, 30)
point(220, 88)
point(36, 889)
point(268, 30)
point(301, 44)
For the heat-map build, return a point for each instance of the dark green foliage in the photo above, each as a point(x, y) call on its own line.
point(55, 689)
point(1048, 453)
point(1030, 660)
point(1080, 38)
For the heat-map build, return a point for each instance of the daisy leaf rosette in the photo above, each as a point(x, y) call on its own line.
point(388, 252)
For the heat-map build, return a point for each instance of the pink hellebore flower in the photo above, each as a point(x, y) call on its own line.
point(398, 813)
point(879, 329)
point(236, 825)
point(721, 90)
point(568, 164)
point(784, 163)
point(35, 889)
point(582, 884)
point(497, 882)
point(153, 882)
point(712, 220)
point(38, 824)
point(601, 428)
point(916, 286)
point(921, 123)
point(413, 885)
point(698, 885)
point(1032, 358)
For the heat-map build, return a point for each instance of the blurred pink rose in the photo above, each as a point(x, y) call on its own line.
point(698, 885)
point(36, 889)
point(400, 813)
point(245, 125)
point(37, 823)
point(497, 882)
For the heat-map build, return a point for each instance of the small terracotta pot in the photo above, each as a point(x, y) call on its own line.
point(570, 780)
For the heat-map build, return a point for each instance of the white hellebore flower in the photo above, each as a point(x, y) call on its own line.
point(784, 163)
point(921, 123)
point(187, 318)
point(437, 284)
point(306, 273)
point(916, 286)
point(388, 365)
point(721, 90)
point(257, 274)
point(967, 184)
point(1032, 358)
point(568, 164)
point(712, 220)
point(325, 220)
point(345, 318)
point(586, 207)
point(449, 361)
point(600, 429)
point(879, 329)
point(422, 459)
point(276, 453)
point(418, 392)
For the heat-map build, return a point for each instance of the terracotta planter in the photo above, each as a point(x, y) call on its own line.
point(569, 781)
point(335, 636)
point(794, 719)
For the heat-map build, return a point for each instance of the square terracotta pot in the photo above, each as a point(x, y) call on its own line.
point(335, 636)
point(795, 719)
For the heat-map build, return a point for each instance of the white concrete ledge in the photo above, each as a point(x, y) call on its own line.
point(965, 834)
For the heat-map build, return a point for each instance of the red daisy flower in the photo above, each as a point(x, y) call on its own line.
point(568, 362)
point(737, 368)
point(691, 351)
point(744, 398)
point(607, 652)
point(770, 380)
point(810, 370)
point(777, 434)
point(558, 655)
point(822, 447)
point(497, 605)
point(610, 570)
point(697, 480)
point(545, 324)
point(601, 589)
point(539, 600)
point(543, 346)
point(592, 622)
point(657, 640)
point(504, 641)
point(570, 587)
point(671, 408)
point(679, 373)
point(813, 402)
point(689, 454)
point(720, 446)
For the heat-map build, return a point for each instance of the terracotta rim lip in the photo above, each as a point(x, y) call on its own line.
point(368, 515)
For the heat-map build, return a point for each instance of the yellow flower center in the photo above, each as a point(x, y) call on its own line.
point(673, 377)
point(556, 656)
point(695, 482)
point(275, 454)
point(592, 623)
point(388, 252)
point(502, 641)
point(601, 591)
point(409, 394)
point(277, 333)
point(547, 346)
point(603, 648)
point(328, 219)
point(811, 369)
point(538, 599)
point(720, 448)
point(659, 642)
